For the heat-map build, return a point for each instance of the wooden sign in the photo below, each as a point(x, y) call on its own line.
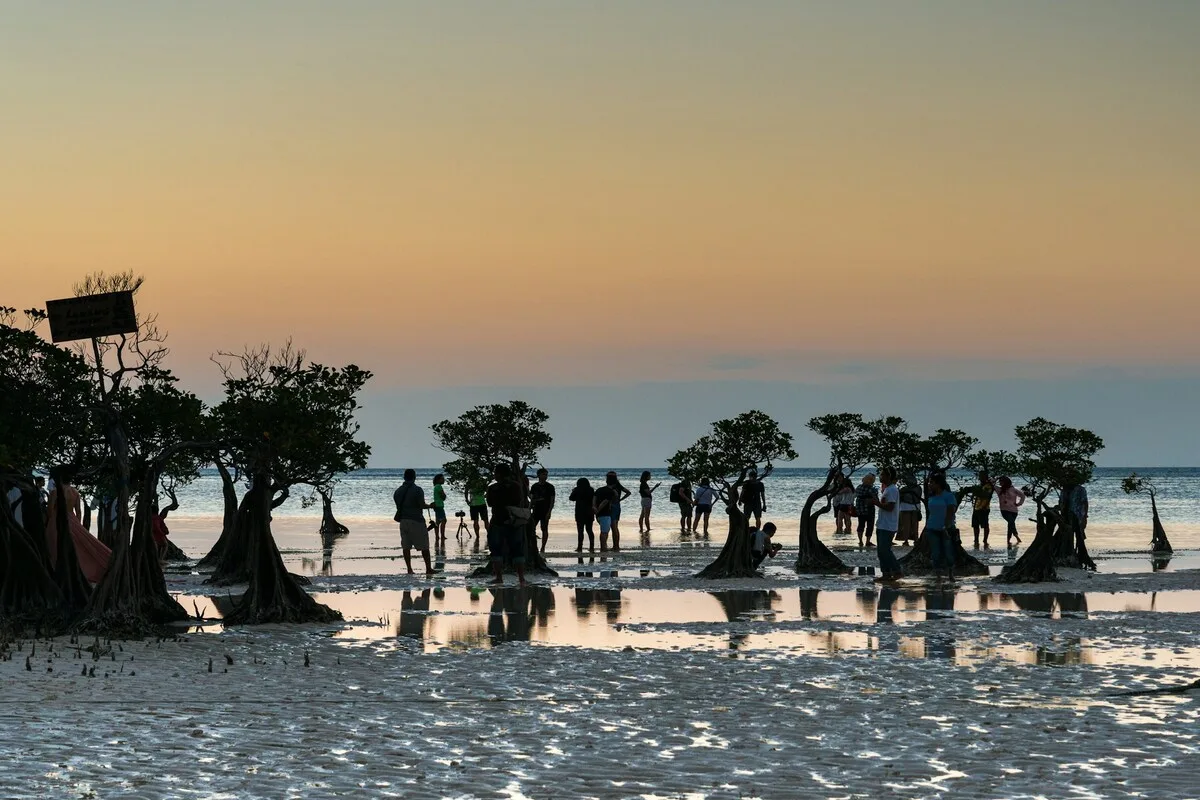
point(91, 316)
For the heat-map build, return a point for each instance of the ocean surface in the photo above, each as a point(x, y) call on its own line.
point(367, 495)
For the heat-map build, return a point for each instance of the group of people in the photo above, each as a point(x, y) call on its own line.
point(696, 504)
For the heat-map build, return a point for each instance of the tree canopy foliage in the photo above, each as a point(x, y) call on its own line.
point(510, 433)
point(290, 420)
point(44, 401)
point(732, 449)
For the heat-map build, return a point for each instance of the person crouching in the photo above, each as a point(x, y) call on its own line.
point(761, 546)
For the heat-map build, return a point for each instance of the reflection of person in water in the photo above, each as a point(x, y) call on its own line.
point(517, 610)
point(414, 613)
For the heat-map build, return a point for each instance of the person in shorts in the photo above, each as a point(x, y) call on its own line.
point(439, 509)
point(410, 513)
point(754, 498)
point(476, 496)
point(646, 493)
point(704, 505)
point(620, 493)
point(602, 504)
point(865, 496)
point(683, 498)
point(981, 510)
point(506, 533)
point(541, 501)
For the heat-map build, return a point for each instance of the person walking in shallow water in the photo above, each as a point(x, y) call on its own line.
point(646, 493)
point(682, 497)
point(1011, 499)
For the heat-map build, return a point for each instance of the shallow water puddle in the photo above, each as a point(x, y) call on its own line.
point(906, 621)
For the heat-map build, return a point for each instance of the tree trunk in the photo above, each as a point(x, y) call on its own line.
point(919, 560)
point(1158, 542)
point(330, 528)
point(1036, 564)
point(735, 560)
point(29, 596)
point(813, 555)
point(106, 530)
point(273, 595)
point(229, 524)
point(535, 562)
point(87, 515)
point(174, 554)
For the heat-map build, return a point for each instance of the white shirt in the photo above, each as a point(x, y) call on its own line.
point(889, 520)
point(758, 542)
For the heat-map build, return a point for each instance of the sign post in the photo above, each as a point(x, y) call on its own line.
point(91, 316)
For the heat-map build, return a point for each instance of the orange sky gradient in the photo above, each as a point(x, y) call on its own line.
point(428, 188)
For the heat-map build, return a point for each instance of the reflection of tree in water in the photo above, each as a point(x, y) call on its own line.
point(517, 610)
point(736, 602)
point(414, 614)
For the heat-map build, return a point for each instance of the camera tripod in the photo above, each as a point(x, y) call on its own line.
point(463, 529)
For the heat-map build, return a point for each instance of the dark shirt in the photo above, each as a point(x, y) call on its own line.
point(499, 497)
point(752, 494)
point(541, 497)
point(583, 496)
point(410, 502)
point(605, 496)
point(644, 490)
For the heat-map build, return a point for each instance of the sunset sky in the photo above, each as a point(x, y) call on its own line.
point(641, 215)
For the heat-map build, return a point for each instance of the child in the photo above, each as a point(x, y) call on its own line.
point(761, 546)
point(843, 505)
point(439, 509)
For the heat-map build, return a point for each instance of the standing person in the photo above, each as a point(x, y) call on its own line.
point(584, 498)
point(981, 510)
point(506, 533)
point(541, 500)
point(704, 504)
point(410, 513)
point(910, 511)
point(620, 493)
point(754, 498)
point(843, 505)
point(866, 497)
point(602, 508)
point(1074, 503)
point(439, 509)
point(476, 497)
point(1011, 498)
point(646, 492)
point(939, 526)
point(681, 495)
point(889, 523)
